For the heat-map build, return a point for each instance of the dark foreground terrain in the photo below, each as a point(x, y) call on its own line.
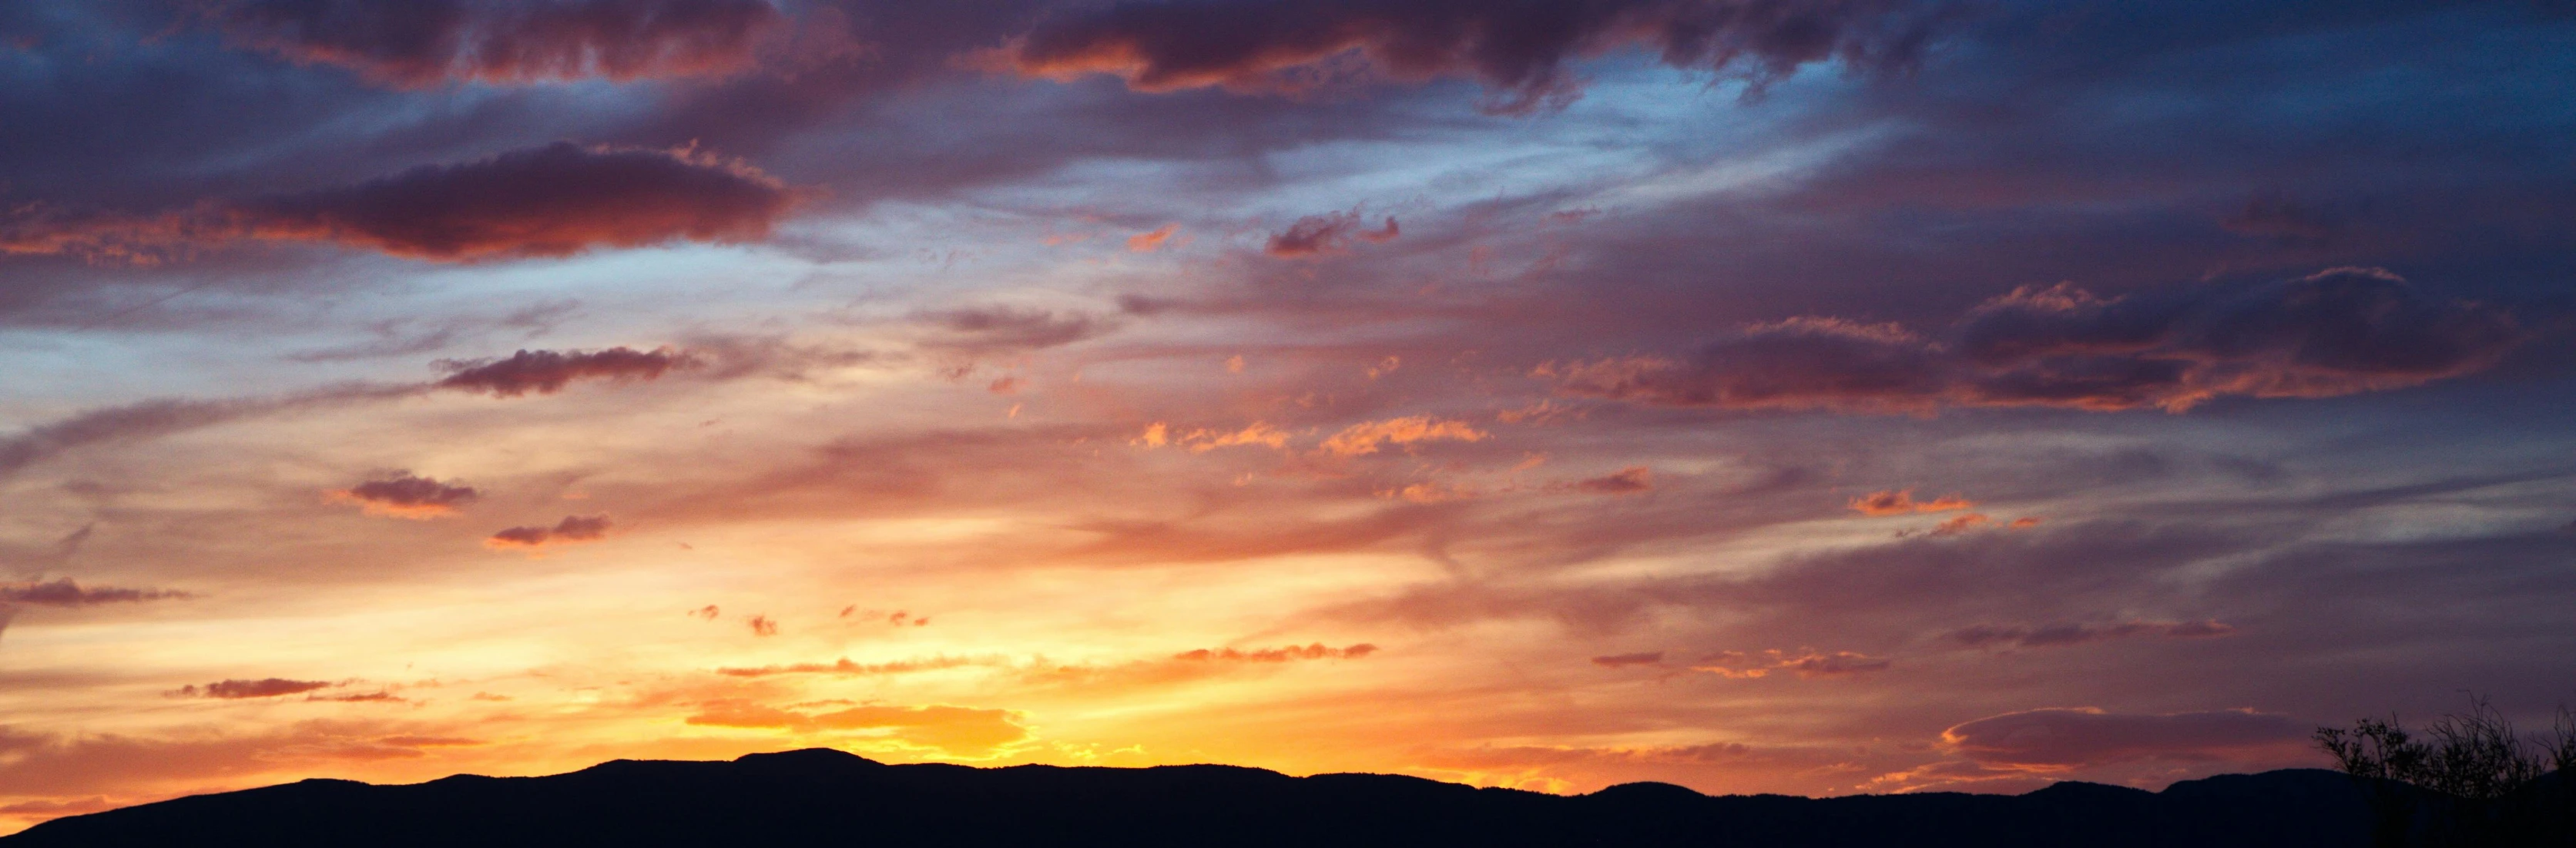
point(823, 797)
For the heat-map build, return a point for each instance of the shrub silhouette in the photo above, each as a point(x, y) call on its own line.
point(2469, 781)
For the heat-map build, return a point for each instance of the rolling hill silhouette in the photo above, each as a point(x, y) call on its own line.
point(826, 797)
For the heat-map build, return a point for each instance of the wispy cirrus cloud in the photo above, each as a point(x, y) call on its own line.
point(2059, 739)
point(431, 42)
point(2058, 635)
point(2338, 332)
point(1519, 51)
point(63, 592)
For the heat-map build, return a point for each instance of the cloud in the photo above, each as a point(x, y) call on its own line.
point(1901, 502)
point(573, 528)
point(844, 666)
point(1625, 481)
point(1010, 329)
point(360, 698)
point(1804, 663)
point(1323, 235)
point(1517, 50)
point(2055, 739)
point(762, 625)
point(124, 765)
point(1625, 660)
point(62, 592)
point(424, 43)
point(552, 201)
point(2338, 332)
point(1148, 242)
point(154, 418)
point(1960, 524)
point(2056, 635)
point(546, 372)
point(1366, 437)
point(1203, 440)
point(1314, 651)
point(267, 687)
point(958, 730)
point(405, 495)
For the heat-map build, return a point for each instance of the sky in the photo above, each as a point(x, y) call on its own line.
point(1800, 396)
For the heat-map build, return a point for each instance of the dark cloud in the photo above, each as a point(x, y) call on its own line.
point(1625, 660)
point(360, 698)
point(546, 372)
point(267, 687)
point(1518, 50)
point(423, 43)
point(2054, 635)
point(2339, 332)
point(1010, 329)
point(405, 494)
point(2054, 738)
point(550, 201)
point(1314, 651)
point(573, 528)
point(1319, 235)
point(62, 592)
point(1625, 481)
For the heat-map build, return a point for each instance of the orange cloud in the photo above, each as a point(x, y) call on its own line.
point(1426, 493)
point(1365, 438)
point(1804, 663)
point(1149, 242)
point(962, 731)
point(1901, 501)
point(844, 666)
point(1314, 651)
point(1960, 524)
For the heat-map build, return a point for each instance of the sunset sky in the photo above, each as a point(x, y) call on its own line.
point(1799, 396)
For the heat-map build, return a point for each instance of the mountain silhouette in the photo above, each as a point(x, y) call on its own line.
point(826, 797)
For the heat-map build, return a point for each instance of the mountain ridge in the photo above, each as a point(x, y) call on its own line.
point(833, 796)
